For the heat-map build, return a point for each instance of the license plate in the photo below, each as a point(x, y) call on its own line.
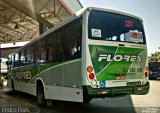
point(120, 77)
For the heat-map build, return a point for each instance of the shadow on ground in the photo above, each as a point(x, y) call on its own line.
point(107, 105)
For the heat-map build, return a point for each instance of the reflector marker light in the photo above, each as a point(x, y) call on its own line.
point(76, 86)
point(94, 82)
point(100, 93)
point(147, 69)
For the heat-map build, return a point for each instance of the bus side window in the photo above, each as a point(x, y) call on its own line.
point(77, 49)
point(52, 53)
point(43, 51)
point(30, 54)
point(51, 47)
point(9, 62)
point(59, 52)
point(13, 61)
point(59, 39)
point(36, 52)
point(23, 58)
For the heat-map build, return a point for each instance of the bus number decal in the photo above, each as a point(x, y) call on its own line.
point(25, 75)
point(135, 69)
point(128, 23)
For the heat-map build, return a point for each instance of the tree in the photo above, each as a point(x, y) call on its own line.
point(154, 57)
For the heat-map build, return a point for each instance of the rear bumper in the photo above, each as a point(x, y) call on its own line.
point(116, 91)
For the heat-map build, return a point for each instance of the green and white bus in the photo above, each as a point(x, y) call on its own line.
point(95, 54)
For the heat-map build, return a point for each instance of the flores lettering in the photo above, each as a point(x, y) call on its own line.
point(118, 58)
point(25, 75)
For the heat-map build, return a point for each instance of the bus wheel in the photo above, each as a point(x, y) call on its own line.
point(86, 96)
point(87, 100)
point(40, 95)
point(55, 102)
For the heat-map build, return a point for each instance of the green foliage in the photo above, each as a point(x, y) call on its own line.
point(154, 57)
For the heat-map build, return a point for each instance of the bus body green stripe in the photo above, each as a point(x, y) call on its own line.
point(34, 70)
point(107, 70)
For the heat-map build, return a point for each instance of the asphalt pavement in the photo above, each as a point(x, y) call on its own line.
point(24, 103)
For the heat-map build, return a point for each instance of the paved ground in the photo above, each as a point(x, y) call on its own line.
point(20, 102)
point(152, 99)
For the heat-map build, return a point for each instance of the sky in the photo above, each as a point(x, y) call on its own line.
point(148, 10)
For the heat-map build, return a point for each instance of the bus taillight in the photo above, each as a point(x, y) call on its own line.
point(91, 76)
point(147, 69)
point(89, 69)
point(146, 74)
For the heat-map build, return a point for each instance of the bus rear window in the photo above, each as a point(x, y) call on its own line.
point(115, 27)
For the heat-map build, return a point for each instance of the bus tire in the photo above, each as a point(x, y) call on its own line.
point(86, 97)
point(87, 100)
point(40, 95)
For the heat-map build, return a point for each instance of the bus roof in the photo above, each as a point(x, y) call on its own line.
point(81, 11)
point(73, 17)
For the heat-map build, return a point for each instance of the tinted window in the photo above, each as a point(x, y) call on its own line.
point(115, 27)
point(23, 58)
point(62, 44)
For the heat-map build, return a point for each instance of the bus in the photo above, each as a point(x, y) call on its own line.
point(154, 70)
point(3, 71)
point(97, 53)
point(3, 66)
